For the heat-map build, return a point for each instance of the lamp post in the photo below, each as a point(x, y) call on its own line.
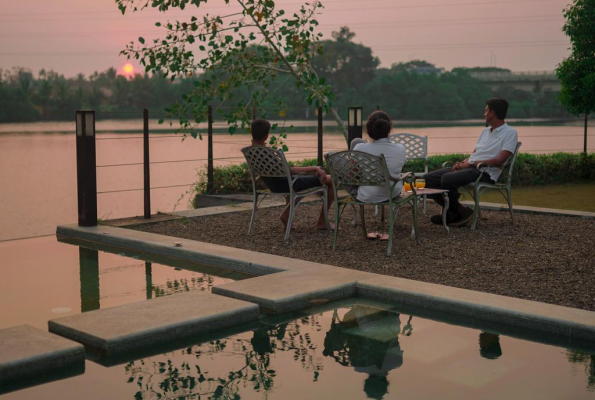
point(86, 174)
point(354, 124)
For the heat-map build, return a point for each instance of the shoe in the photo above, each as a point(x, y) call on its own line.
point(436, 219)
point(464, 218)
point(450, 218)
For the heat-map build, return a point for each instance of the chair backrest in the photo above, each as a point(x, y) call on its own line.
point(506, 175)
point(416, 146)
point(353, 167)
point(264, 161)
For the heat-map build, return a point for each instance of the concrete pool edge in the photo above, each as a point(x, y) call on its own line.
point(538, 316)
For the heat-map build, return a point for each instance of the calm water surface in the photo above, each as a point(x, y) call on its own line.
point(349, 350)
point(44, 279)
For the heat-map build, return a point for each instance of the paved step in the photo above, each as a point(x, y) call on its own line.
point(27, 352)
point(292, 290)
point(570, 323)
point(214, 255)
point(135, 326)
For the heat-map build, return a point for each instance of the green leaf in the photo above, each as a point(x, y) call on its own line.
point(140, 39)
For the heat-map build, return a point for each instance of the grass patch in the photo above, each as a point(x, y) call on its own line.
point(572, 196)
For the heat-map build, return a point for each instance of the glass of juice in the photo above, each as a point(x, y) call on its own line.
point(406, 187)
point(420, 183)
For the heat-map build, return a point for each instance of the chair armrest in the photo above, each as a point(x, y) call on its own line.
point(403, 177)
point(447, 164)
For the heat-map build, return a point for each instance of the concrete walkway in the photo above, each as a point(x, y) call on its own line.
point(27, 352)
point(305, 283)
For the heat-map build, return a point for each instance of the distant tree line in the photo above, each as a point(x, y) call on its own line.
point(415, 90)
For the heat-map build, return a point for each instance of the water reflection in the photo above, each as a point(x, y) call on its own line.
point(149, 280)
point(89, 276)
point(123, 279)
point(364, 339)
point(489, 346)
point(588, 361)
point(367, 339)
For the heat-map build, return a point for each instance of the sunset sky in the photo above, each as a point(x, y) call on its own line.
point(71, 36)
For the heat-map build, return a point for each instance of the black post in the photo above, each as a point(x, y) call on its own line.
point(320, 136)
point(354, 124)
point(89, 276)
point(86, 173)
point(210, 150)
point(147, 185)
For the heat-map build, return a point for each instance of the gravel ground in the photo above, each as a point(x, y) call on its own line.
point(543, 258)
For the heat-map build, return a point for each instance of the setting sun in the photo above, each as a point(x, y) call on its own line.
point(128, 69)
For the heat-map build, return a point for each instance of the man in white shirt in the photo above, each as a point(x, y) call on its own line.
point(495, 145)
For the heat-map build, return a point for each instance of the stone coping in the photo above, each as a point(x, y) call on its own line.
point(267, 292)
point(214, 255)
point(28, 353)
point(568, 322)
point(133, 326)
point(295, 289)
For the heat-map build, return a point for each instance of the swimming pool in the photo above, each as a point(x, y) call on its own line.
point(352, 349)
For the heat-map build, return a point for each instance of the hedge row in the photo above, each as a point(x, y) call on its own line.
point(529, 170)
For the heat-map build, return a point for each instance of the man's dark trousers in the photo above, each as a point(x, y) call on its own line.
point(450, 180)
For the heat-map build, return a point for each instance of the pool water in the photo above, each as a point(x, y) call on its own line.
point(44, 279)
point(353, 349)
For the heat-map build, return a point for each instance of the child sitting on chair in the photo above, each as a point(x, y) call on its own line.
point(260, 132)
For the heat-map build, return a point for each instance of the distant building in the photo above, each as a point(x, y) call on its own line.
point(426, 70)
point(522, 80)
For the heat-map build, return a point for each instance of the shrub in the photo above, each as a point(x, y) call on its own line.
point(529, 170)
point(235, 178)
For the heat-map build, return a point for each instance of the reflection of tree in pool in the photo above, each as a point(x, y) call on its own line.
point(174, 378)
point(576, 357)
point(367, 340)
point(203, 283)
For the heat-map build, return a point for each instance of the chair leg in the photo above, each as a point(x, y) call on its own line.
point(325, 209)
point(337, 219)
point(415, 227)
point(363, 220)
point(254, 207)
point(291, 213)
point(509, 200)
point(391, 228)
point(354, 222)
point(476, 212)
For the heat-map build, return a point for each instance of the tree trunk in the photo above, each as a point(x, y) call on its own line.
point(341, 124)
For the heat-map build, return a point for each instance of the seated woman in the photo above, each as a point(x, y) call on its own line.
point(260, 132)
point(378, 127)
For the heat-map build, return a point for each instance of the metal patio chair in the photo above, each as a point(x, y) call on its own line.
point(264, 161)
point(504, 186)
point(416, 147)
point(353, 167)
